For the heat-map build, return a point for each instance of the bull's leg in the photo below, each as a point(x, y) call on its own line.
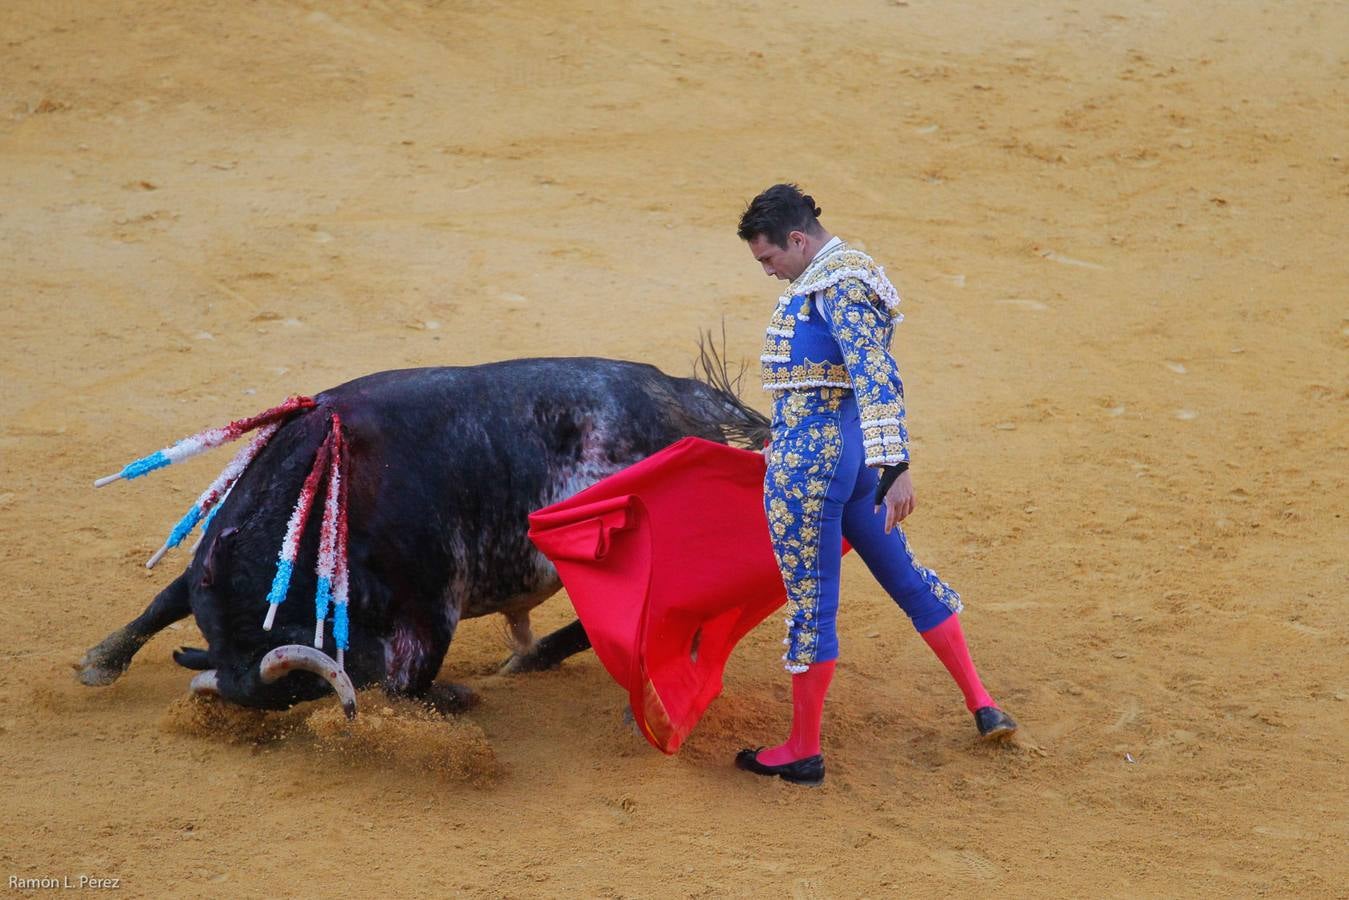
point(450, 698)
point(550, 651)
point(105, 662)
point(522, 635)
point(414, 658)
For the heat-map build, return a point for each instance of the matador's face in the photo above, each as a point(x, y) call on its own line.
point(785, 263)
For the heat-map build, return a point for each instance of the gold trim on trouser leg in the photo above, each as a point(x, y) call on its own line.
point(802, 462)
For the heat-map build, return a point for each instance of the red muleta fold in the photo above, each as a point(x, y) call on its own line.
point(669, 565)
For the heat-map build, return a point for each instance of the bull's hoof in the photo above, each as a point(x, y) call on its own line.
point(450, 699)
point(527, 662)
point(97, 676)
point(105, 662)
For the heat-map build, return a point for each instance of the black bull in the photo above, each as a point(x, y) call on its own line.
point(444, 466)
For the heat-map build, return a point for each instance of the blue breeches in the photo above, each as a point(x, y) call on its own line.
point(818, 491)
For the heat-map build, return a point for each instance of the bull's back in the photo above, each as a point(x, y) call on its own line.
point(447, 463)
point(478, 434)
point(443, 467)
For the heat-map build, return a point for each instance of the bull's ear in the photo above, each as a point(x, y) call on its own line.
point(215, 554)
point(193, 658)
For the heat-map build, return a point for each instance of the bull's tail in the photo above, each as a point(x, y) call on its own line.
point(737, 421)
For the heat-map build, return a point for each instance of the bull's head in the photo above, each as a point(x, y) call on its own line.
point(278, 663)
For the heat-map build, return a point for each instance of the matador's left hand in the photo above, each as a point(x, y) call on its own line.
point(899, 501)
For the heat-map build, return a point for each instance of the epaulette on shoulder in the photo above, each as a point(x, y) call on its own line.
point(850, 263)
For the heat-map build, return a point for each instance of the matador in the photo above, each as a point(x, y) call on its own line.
point(839, 453)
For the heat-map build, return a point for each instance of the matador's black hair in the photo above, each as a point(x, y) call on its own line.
point(777, 212)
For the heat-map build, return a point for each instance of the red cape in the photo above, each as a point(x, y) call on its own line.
point(669, 565)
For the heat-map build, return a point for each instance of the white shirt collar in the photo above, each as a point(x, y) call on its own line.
point(834, 241)
point(833, 244)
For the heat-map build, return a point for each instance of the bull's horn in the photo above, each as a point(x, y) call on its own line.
point(283, 660)
point(206, 683)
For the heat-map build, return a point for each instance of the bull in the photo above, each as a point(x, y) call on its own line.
point(442, 468)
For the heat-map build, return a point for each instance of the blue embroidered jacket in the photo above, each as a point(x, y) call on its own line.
point(832, 328)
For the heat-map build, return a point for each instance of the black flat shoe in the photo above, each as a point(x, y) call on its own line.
point(994, 724)
point(808, 771)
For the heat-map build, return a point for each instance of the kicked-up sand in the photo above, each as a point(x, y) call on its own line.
point(1119, 231)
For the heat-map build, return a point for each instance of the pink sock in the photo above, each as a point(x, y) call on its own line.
point(947, 640)
point(808, 692)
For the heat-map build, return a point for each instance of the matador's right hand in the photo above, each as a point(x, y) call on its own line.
point(896, 492)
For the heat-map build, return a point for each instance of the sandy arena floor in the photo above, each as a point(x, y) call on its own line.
point(1120, 233)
